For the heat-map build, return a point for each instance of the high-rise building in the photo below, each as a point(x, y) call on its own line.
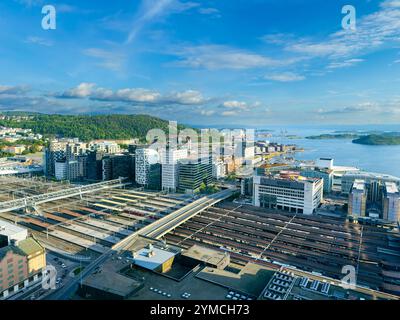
point(391, 202)
point(288, 192)
point(94, 165)
point(192, 173)
point(118, 165)
point(148, 168)
point(357, 199)
point(169, 177)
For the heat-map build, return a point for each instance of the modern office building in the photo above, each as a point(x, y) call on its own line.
point(357, 199)
point(118, 165)
point(193, 173)
point(109, 147)
point(374, 183)
point(322, 173)
point(324, 168)
point(148, 168)
point(169, 176)
point(287, 191)
point(391, 202)
point(95, 165)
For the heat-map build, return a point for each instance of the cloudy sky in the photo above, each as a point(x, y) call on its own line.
point(208, 62)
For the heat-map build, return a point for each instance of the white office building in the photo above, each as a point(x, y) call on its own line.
point(218, 169)
point(145, 158)
point(295, 194)
point(60, 170)
point(169, 168)
point(357, 199)
point(391, 202)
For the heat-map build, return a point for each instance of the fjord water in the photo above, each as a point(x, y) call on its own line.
point(382, 159)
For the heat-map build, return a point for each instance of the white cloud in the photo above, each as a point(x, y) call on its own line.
point(344, 64)
point(229, 113)
point(12, 90)
point(108, 59)
point(234, 104)
point(153, 10)
point(284, 77)
point(133, 95)
point(374, 31)
point(83, 90)
point(39, 41)
point(223, 57)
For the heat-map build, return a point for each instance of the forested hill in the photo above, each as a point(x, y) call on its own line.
point(89, 127)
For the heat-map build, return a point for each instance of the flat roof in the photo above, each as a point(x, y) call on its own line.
point(371, 175)
point(8, 229)
point(359, 185)
point(151, 262)
point(391, 187)
point(204, 254)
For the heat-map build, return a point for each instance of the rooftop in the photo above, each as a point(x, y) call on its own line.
point(30, 246)
point(9, 229)
point(359, 185)
point(391, 187)
point(371, 175)
point(152, 258)
point(207, 255)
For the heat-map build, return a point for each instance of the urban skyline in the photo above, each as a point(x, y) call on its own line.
point(239, 63)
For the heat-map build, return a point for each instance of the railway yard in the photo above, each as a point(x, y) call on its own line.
point(85, 225)
point(309, 243)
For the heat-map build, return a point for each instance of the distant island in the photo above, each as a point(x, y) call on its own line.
point(334, 136)
point(379, 139)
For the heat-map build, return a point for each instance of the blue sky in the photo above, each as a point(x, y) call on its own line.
point(209, 62)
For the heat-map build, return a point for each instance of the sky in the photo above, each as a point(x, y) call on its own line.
point(208, 62)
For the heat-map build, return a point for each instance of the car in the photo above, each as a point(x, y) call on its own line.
point(169, 295)
point(151, 288)
point(234, 298)
point(228, 296)
point(164, 294)
point(159, 291)
point(63, 266)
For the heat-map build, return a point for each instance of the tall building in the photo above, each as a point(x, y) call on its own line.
point(288, 192)
point(94, 165)
point(218, 169)
point(148, 168)
point(391, 202)
point(192, 173)
point(118, 165)
point(357, 199)
point(169, 175)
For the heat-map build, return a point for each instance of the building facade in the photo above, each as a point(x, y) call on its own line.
point(298, 195)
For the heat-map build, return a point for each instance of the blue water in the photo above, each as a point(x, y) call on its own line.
point(382, 159)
